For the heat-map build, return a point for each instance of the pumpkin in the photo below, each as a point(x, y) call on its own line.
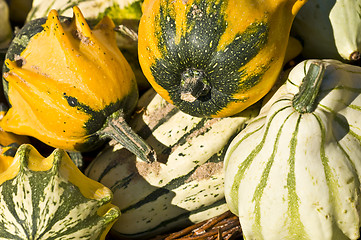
point(294, 171)
point(330, 29)
point(184, 186)
point(49, 198)
point(70, 86)
point(214, 58)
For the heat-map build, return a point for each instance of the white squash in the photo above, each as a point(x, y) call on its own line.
point(185, 186)
point(294, 172)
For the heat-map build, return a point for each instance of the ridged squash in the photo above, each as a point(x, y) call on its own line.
point(185, 186)
point(294, 171)
point(214, 58)
point(70, 86)
point(49, 198)
point(330, 29)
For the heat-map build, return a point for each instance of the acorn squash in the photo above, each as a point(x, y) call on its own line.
point(214, 58)
point(295, 171)
point(49, 198)
point(184, 186)
point(70, 86)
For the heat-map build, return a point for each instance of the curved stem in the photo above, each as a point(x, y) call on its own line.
point(127, 32)
point(304, 101)
point(118, 129)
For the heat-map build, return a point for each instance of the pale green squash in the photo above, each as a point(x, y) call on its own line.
point(330, 29)
point(294, 171)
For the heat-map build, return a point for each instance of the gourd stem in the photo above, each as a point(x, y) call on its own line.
point(305, 100)
point(118, 129)
point(124, 30)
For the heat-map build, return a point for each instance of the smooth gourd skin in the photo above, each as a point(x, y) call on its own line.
point(63, 79)
point(292, 175)
point(237, 47)
point(50, 198)
point(330, 29)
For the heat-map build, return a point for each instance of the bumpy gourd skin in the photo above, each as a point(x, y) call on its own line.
point(63, 79)
point(214, 58)
point(50, 198)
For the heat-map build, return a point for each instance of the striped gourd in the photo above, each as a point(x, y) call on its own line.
point(49, 198)
point(214, 58)
point(184, 186)
point(294, 171)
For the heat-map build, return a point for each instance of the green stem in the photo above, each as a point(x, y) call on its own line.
point(118, 129)
point(305, 100)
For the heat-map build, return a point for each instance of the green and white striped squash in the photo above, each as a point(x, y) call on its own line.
point(330, 29)
point(49, 198)
point(186, 184)
point(294, 171)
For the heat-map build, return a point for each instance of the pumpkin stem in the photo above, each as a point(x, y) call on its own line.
point(117, 128)
point(193, 85)
point(304, 101)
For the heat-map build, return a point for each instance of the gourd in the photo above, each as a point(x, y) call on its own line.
point(93, 10)
point(214, 59)
point(70, 86)
point(5, 27)
point(122, 12)
point(184, 186)
point(9, 143)
point(7, 138)
point(49, 198)
point(330, 29)
point(294, 171)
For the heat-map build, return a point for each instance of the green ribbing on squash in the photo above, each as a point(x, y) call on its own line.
point(184, 186)
point(294, 171)
point(49, 198)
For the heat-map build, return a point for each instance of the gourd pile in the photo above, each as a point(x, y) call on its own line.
point(130, 119)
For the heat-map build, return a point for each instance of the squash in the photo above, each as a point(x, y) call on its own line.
point(330, 29)
point(5, 26)
point(93, 10)
point(7, 138)
point(122, 12)
point(294, 171)
point(70, 86)
point(184, 186)
point(214, 58)
point(49, 198)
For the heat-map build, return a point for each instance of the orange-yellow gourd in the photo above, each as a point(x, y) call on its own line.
point(69, 85)
point(214, 58)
